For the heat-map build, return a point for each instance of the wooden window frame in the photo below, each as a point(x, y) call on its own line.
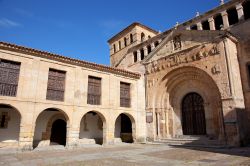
point(94, 90)
point(125, 100)
point(9, 77)
point(57, 77)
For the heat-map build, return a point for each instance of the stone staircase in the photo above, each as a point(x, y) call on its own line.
point(192, 141)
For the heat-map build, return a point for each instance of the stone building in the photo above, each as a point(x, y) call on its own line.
point(196, 74)
point(47, 98)
point(190, 80)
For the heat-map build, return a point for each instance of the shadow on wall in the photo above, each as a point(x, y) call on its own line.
point(237, 133)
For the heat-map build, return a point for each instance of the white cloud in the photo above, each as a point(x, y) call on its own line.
point(6, 23)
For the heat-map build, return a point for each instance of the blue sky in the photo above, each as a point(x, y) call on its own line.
point(80, 28)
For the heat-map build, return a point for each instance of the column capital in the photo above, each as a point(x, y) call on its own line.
point(239, 6)
point(224, 13)
point(210, 19)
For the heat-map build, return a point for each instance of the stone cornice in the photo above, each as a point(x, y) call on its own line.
point(129, 28)
point(64, 59)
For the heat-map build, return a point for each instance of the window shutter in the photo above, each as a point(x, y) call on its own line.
point(124, 94)
point(56, 85)
point(94, 90)
point(9, 76)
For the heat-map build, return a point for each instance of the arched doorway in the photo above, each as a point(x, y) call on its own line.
point(58, 132)
point(92, 128)
point(10, 120)
point(193, 115)
point(51, 128)
point(123, 128)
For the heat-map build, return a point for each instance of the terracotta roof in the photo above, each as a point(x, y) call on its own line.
point(132, 26)
point(64, 59)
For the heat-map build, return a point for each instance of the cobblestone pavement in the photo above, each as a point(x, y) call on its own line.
point(129, 155)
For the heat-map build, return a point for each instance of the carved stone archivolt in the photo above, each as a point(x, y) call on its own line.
point(216, 69)
point(187, 56)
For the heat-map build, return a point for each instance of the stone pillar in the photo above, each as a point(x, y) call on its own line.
point(152, 46)
point(199, 26)
point(211, 23)
point(240, 12)
point(26, 132)
point(138, 55)
point(72, 137)
point(188, 28)
point(108, 134)
point(225, 19)
point(145, 49)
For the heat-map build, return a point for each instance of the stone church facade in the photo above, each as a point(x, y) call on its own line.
point(191, 80)
point(196, 74)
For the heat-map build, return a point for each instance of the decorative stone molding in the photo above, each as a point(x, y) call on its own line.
point(196, 54)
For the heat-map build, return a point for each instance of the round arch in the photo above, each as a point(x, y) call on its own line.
point(10, 122)
point(175, 85)
point(45, 122)
point(125, 128)
point(93, 128)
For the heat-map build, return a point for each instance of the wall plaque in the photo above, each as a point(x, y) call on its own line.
point(149, 117)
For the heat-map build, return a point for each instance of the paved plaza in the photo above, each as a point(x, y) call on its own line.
point(128, 155)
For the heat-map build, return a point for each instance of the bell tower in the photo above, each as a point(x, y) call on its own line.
point(131, 36)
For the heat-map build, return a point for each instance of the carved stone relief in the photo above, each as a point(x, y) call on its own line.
point(184, 57)
point(216, 69)
point(177, 42)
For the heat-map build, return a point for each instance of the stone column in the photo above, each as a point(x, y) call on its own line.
point(211, 23)
point(138, 55)
point(225, 19)
point(199, 26)
point(108, 134)
point(26, 132)
point(240, 12)
point(152, 46)
point(188, 28)
point(72, 137)
point(145, 49)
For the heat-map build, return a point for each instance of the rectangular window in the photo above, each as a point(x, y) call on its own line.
point(124, 94)
point(9, 76)
point(94, 90)
point(56, 85)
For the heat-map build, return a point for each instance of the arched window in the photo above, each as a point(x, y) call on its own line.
point(131, 38)
point(135, 56)
point(142, 54)
point(232, 16)
point(125, 41)
point(205, 25)
point(142, 36)
point(194, 27)
point(218, 22)
point(156, 43)
point(149, 49)
point(246, 9)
